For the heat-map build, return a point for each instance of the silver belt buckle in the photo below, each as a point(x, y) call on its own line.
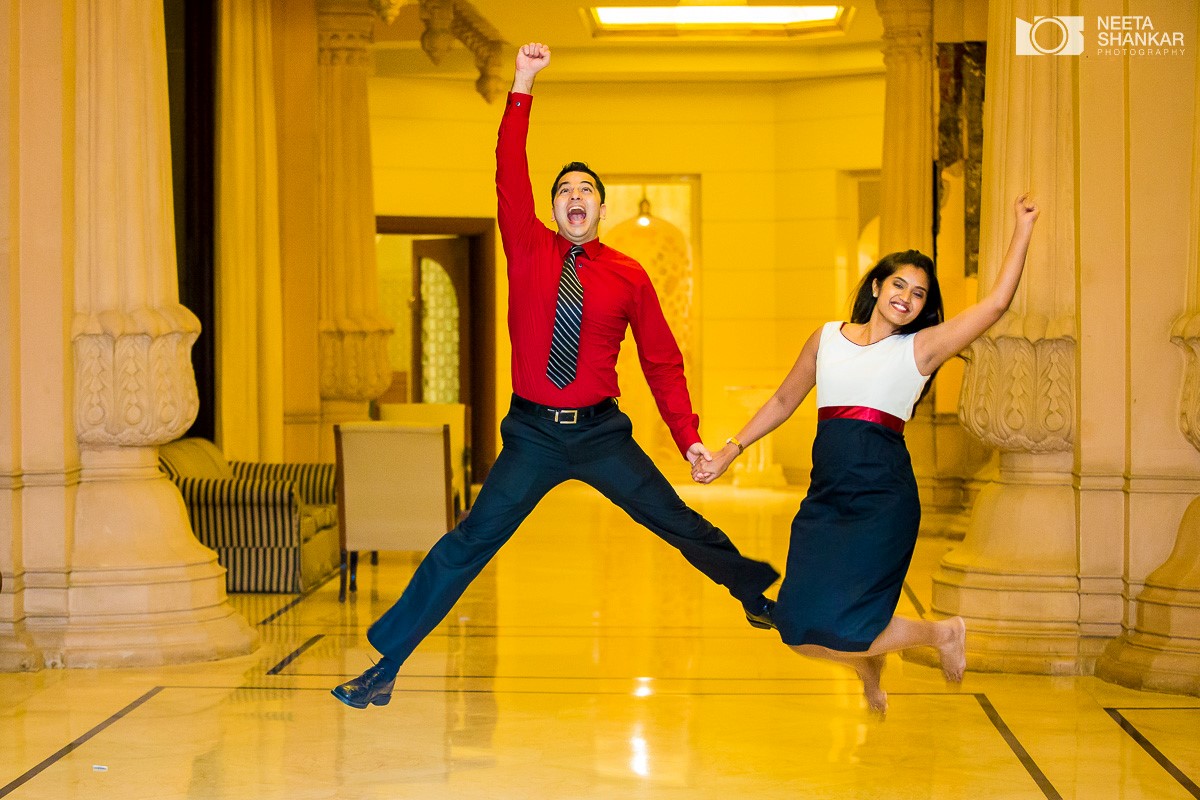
point(560, 416)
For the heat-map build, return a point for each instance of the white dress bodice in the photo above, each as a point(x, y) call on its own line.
point(883, 376)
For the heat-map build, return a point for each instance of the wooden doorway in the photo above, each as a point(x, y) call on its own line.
point(474, 280)
point(441, 311)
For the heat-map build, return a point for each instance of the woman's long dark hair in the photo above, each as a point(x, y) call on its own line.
point(864, 298)
point(932, 313)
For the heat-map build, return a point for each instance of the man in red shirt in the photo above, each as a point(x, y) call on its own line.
point(570, 300)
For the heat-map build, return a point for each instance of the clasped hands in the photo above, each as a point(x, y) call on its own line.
point(708, 466)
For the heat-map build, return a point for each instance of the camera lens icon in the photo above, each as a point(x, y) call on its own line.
point(1065, 32)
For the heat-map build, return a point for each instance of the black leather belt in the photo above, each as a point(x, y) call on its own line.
point(563, 416)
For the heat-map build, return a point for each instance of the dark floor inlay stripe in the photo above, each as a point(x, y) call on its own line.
point(298, 600)
point(912, 598)
point(1175, 772)
point(1018, 749)
point(33, 773)
point(275, 670)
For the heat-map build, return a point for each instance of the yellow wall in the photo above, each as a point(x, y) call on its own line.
point(772, 160)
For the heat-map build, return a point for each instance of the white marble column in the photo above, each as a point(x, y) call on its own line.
point(353, 332)
point(124, 581)
point(1015, 576)
point(1159, 647)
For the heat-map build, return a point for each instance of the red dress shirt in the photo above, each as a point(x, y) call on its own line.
point(617, 293)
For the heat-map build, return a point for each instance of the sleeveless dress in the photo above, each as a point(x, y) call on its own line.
point(853, 537)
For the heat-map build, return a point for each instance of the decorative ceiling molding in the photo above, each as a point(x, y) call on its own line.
point(447, 20)
point(387, 10)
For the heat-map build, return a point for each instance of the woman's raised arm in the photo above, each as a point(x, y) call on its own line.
point(935, 345)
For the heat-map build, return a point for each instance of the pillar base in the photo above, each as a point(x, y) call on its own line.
point(1155, 663)
point(179, 638)
point(1014, 580)
point(1162, 652)
point(1020, 649)
point(139, 589)
point(944, 524)
point(18, 653)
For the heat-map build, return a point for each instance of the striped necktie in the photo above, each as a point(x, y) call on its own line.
point(568, 314)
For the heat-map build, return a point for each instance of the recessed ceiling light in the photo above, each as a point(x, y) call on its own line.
point(614, 16)
point(731, 23)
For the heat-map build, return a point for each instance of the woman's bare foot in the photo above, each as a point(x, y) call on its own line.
point(869, 670)
point(952, 648)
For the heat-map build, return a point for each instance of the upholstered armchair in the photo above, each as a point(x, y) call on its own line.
point(273, 526)
point(395, 489)
point(458, 417)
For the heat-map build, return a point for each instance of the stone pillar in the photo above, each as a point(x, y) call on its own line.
point(25, 113)
point(906, 179)
point(126, 582)
point(1015, 576)
point(906, 193)
point(353, 332)
point(1159, 648)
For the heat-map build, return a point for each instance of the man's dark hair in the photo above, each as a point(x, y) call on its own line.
point(576, 166)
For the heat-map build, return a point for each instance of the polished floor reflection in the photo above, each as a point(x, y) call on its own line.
point(588, 661)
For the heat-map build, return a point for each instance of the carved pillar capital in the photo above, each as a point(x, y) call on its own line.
point(354, 363)
point(1018, 393)
point(134, 384)
point(907, 28)
point(344, 32)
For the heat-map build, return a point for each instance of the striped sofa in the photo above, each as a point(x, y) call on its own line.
point(273, 526)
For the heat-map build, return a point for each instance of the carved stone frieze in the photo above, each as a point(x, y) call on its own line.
point(344, 37)
point(387, 10)
point(907, 28)
point(447, 20)
point(484, 42)
point(1018, 393)
point(438, 38)
point(134, 384)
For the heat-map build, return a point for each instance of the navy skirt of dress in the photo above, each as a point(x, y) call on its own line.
point(852, 539)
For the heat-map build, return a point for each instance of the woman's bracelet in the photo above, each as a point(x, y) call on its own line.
point(733, 440)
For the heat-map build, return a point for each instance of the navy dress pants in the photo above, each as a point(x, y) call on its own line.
point(537, 455)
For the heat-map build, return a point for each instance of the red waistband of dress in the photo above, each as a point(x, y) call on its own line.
point(861, 412)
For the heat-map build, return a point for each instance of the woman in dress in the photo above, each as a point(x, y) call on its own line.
point(853, 537)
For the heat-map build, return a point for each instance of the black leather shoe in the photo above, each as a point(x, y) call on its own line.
point(368, 689)
point(763, 618)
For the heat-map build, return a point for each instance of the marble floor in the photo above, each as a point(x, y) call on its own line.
point(587, 661)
